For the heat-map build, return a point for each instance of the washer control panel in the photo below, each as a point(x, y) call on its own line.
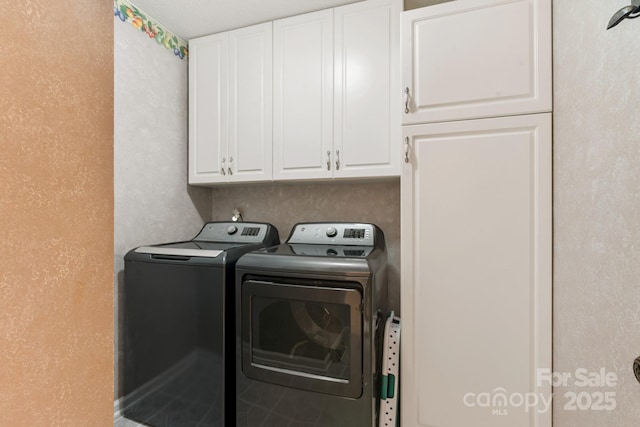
point(333, 234)
point(233, 232)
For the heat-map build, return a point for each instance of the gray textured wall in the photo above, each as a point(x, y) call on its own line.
point(596, 206)
point(283, 205)
point(413, 4)
point(152, 202)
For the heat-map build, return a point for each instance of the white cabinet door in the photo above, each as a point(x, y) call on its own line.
point(367, 89)
point(250, 139)
point(302, 96)
point(230, 106)
point(476, 58)
point(208, 123)
point(476, 273)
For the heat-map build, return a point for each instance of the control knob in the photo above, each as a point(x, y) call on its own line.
point(332, 232)
point(232, 229)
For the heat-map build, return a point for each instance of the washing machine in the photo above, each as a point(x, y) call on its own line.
point(309, 319)
point(178, 326)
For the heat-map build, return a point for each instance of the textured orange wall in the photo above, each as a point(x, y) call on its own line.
point(56, 213)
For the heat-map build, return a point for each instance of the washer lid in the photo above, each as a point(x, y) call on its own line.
point(192, 248)
point(160, 250)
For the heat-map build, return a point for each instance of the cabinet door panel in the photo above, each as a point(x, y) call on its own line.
point(303, 88)
point(477, 58)
point(367, 123)
point(208, 128)
point(476, 263)
point(250, 138)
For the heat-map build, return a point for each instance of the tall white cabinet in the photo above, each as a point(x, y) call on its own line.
point(230, 93)
point(476, 271)
point(476, 214)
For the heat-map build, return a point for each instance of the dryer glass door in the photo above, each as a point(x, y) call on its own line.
point(306, 337)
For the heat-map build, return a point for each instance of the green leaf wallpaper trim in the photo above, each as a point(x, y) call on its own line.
point(127, 12)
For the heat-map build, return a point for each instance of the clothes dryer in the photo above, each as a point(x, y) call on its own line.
point(308, 328)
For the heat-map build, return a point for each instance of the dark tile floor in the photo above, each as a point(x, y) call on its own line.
point(190, 396)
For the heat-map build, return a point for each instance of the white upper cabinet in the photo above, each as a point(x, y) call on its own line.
point(306, 97)
point(230, 99)
point(208, 123)
point(476, 58)
point(336, 81)
point(367, 88)
point(303, 96)
point(250, 119)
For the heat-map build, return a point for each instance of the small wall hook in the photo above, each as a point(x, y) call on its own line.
point(627, 12)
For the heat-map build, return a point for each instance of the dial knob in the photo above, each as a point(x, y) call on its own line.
point(232, 230)
point(332, 232)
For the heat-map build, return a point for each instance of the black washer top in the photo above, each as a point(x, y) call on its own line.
point(218, 243)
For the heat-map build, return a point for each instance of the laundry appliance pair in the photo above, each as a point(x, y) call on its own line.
point(234, 328)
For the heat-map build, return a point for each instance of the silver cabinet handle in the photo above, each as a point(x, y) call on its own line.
point(328, 160)
point(229, 168)
point(406, 100)
point(224, 160)
point(337, 160)
point(406, 150)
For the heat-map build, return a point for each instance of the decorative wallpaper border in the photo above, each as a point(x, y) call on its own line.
point(127, 12)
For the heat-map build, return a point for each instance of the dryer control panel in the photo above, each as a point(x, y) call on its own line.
point(333, 233)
